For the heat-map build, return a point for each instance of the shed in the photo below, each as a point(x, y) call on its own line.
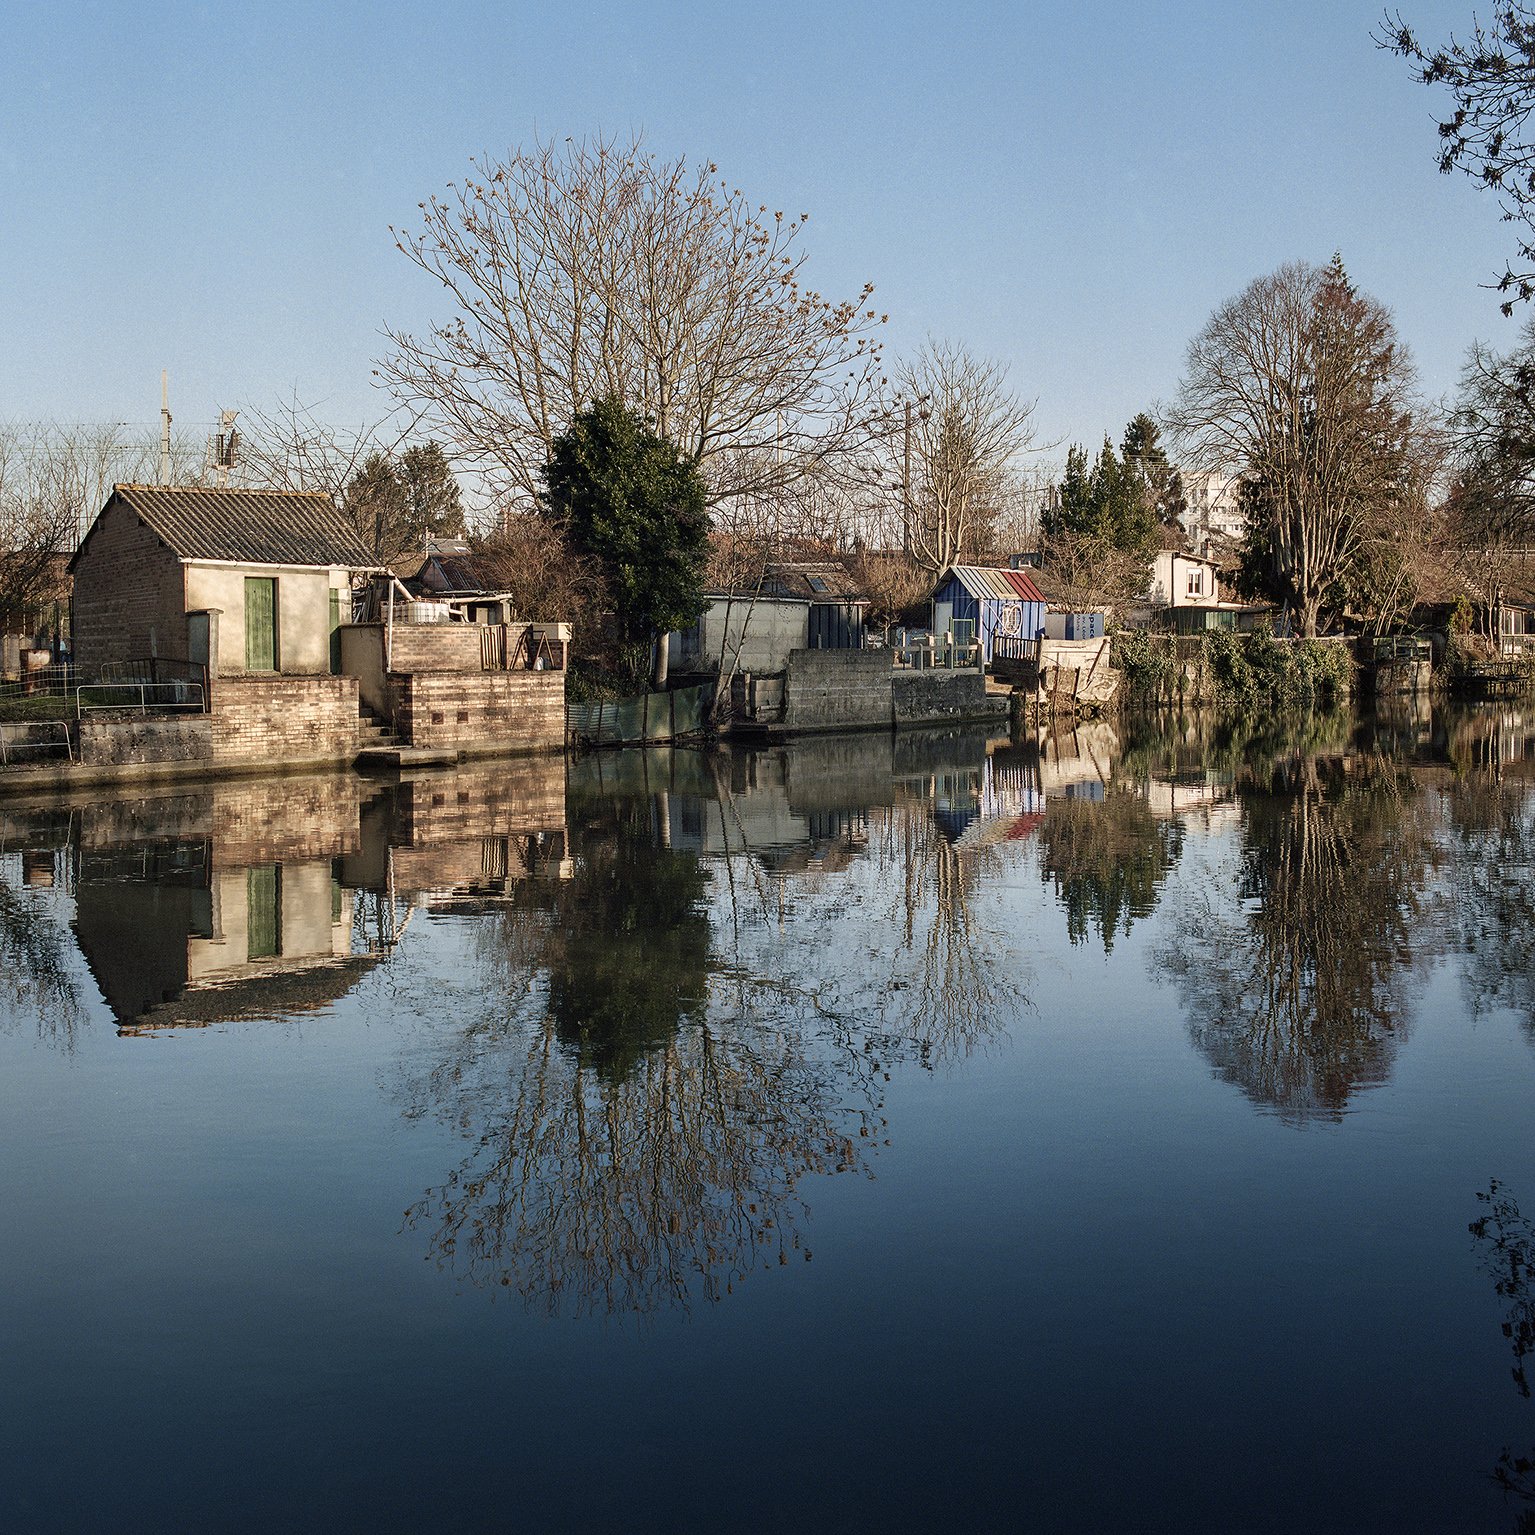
point(242, 581)
point(815, 605)
point(475, 584)
point(977, 604)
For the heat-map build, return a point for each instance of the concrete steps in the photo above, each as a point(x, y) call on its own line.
point(375, 734)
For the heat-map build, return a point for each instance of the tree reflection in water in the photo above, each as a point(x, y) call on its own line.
point(1294, 989)
point(36, 981)
point(1492, 824)
point(1508, 1255)
point(643, 1118)
point(943, 989)
point(1108, 860)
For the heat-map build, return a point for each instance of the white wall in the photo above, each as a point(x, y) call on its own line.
point(303, 612)
point(766, 632)
point(1170, 581)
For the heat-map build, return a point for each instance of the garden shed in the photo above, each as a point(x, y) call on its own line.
point(977, 604)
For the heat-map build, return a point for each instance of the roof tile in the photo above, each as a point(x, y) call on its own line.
point(255, 527)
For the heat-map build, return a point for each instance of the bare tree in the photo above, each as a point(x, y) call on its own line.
point(1490, 511)
point(1301, 384)
point(963, 437)
point(596, 268)
point(290, 447)
point(1490, 75)
point(54, 478)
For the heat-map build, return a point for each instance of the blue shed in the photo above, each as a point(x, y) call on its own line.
point(976, 603)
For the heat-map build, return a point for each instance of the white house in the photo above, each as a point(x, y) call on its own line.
point(1183, 580)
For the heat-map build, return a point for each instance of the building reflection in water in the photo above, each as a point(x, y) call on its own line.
point(274, 898)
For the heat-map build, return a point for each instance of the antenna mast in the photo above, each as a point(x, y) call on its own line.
point(165, 427)
point(224, 447)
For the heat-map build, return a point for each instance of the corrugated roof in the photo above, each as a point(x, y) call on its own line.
point(997, 585)
point(248, 527)
point(461, 575)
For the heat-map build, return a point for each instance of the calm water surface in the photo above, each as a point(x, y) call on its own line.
point(1125, 1130)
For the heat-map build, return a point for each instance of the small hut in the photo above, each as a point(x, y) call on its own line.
point(978, 605)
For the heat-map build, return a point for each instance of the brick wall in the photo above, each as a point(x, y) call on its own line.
point(837, 689)
point(526, 795)
point(506, 711)
point(130, 594)
point(275, 720)
point(272, 820)
point(435, 648)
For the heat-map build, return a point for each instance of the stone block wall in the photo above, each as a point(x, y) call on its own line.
point(931, 697)
point(269, 721)
point(129, 594)
point(837, 689)
point(490, 711)
point(115, 740)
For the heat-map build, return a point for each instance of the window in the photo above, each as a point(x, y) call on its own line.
point(1196, 582)
point(818, 584)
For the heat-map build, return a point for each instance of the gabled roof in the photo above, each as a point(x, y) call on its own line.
point(817, 580)
point(995, 585)
point(444, 574)
point(245, 527)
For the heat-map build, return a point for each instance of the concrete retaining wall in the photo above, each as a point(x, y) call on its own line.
point(837, 690)
point(928, 698)
point(112, 740)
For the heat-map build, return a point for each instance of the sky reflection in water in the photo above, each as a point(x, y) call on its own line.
point(899, 1030)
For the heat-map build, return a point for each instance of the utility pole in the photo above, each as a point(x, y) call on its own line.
point(906, 487)
point(165, 427)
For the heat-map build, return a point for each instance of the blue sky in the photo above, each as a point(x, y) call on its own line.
point(1071, 189)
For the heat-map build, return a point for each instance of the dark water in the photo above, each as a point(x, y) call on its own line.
point(1123, 1131)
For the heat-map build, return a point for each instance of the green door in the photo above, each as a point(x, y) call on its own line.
point(335, 631)
point(260, 624)
point(263, 912)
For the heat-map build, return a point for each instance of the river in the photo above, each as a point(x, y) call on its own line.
point(1128, 1128)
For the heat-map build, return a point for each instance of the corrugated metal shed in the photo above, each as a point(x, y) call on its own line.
point(991, 603)
point(244, 527)
point(1002, 585)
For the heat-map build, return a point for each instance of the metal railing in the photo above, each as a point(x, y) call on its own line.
point(43, 680)
point(43, 738)
point(937, 653)
point(141, 698)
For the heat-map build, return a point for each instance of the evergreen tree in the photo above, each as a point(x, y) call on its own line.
point(1073, 511)
point(635, 505)
point(1161, 483)
point(396, 503)
point(1105, 503)
point(434, 505)
point(375, 504)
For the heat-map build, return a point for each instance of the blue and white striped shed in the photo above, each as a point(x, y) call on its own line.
point(991, 603)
